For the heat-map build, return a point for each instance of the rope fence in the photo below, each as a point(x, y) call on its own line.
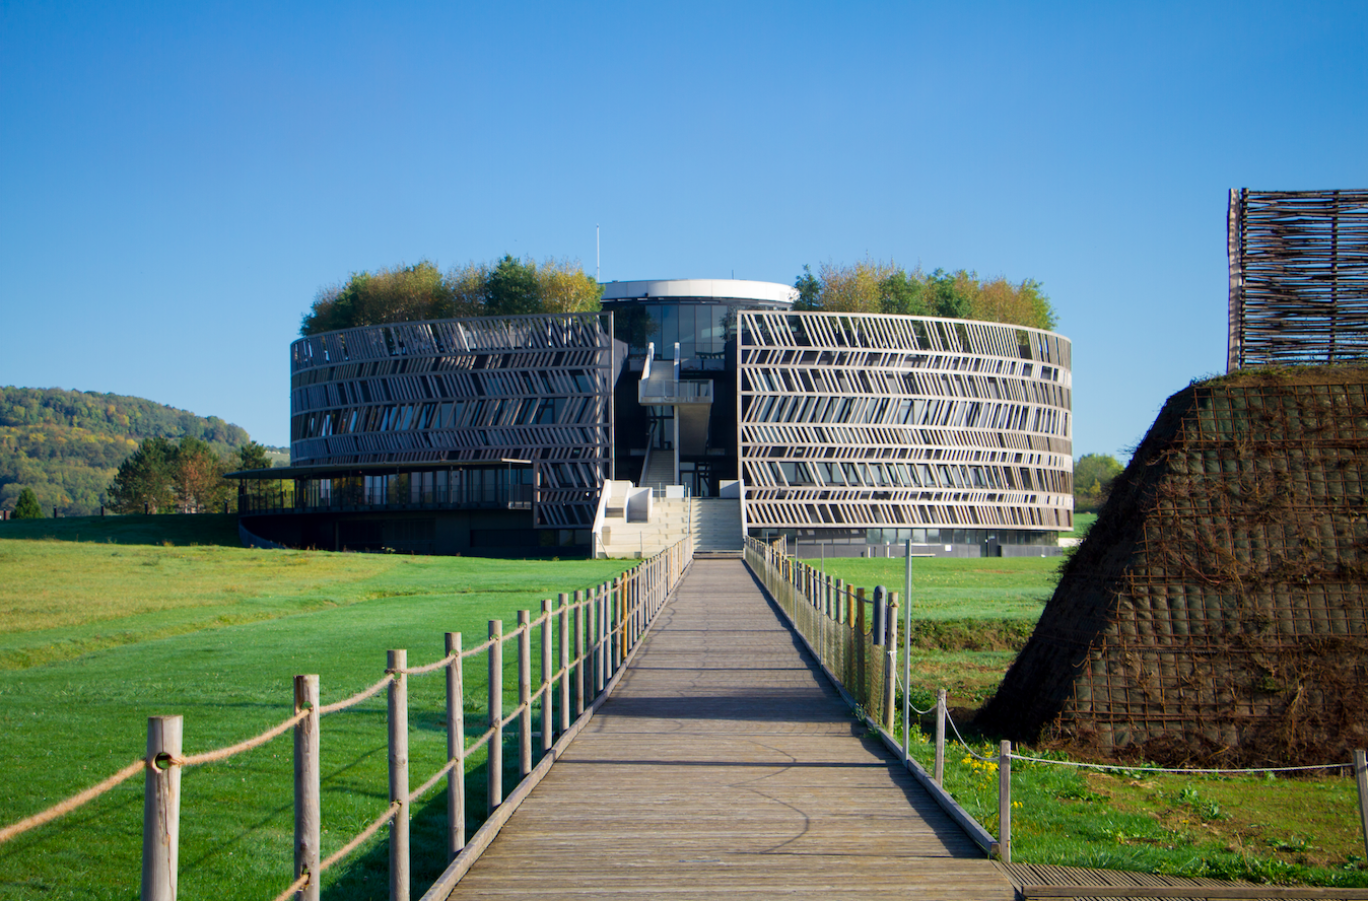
point(607, 622)
point(831, 618)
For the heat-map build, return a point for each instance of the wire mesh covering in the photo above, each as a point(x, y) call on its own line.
point(1298, 277)
point(1216, 612)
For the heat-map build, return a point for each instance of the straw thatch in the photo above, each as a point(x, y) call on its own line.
point(1216, 611)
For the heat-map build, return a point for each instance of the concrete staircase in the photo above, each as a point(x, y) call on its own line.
point(669, 524)
point(659, 470)
point(717, 527)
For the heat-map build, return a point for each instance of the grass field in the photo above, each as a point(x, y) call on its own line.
point(100, 634)
point(970, 618)
point(104, 622)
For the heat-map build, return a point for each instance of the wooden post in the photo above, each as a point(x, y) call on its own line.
point(615, 622)
point(397, 663)
point(563, 604)
point(494, 767)
point(596, 632)
point(548, 682)
point(455, 747)
point(581, 604)
point(1361, 775)
point(861, 677)
point(307, 805)
point(879, 629)
point(891, 670)
point(939, 773)
point(524, 693)
point(639, 616)
point(161, 809)
point(1005, 802)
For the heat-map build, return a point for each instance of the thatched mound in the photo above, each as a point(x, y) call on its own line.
point(1216, 611)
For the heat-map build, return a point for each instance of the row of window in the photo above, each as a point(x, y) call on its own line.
point(459, 414)
point(902, 361)
point(906, 411)
point(438, 339)
point(884, 382)
point(525, 383)
point(904, 332)
point(857, 474)
point(949, 513)
point(897, 537)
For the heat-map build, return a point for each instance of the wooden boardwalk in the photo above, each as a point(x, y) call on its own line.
point(725, 766)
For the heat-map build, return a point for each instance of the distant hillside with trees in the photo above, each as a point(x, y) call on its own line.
point(871, 286)
point(66, 446)
point(421, 291)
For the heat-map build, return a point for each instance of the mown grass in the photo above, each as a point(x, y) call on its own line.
point(1253, 827)
point(1082, 523)
point(971, 617)
point(71, 714)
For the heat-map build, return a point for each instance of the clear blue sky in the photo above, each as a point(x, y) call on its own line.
point(178, 180)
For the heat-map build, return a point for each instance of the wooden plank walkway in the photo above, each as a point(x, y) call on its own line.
point(725, 766)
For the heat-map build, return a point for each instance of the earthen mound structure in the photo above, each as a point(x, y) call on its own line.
point(1216, 611)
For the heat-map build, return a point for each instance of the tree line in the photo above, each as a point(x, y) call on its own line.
point(66, 446)
point(421, 291)
point(1093, 478)
point(872, 286)
point(186, 476)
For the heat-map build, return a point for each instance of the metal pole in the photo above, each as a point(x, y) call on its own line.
point(907, 652)
point(939, 772)
point(397, 663)
point(1005, 802)
point(455, 747)
point(1361, 775)
point(306, 787)
point(161, 809)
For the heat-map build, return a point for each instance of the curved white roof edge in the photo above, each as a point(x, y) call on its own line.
point(737, 288)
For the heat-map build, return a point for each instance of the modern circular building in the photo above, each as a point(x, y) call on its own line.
point(498, 434)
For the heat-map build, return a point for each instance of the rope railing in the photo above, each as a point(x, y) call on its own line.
point(75, 801)
point(830, 616)
point(605, 623)
point(357, 698)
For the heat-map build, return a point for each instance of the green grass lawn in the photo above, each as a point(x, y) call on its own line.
point(1082, 523)
point(98, 636)
point(971, 616)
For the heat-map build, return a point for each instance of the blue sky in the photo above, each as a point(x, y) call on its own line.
point(177, 181)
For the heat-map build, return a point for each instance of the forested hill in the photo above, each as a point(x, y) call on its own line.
point(67, 445)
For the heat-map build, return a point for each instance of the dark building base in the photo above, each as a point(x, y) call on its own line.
point(478, 533)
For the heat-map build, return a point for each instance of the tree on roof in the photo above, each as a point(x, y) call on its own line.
point(414, 293)
point(873, 286)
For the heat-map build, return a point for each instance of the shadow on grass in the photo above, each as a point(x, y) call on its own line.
point(169, 529)
point(366, 878)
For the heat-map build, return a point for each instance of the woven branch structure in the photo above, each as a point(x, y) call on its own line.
point(1216, 611)
point(1298, 277)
